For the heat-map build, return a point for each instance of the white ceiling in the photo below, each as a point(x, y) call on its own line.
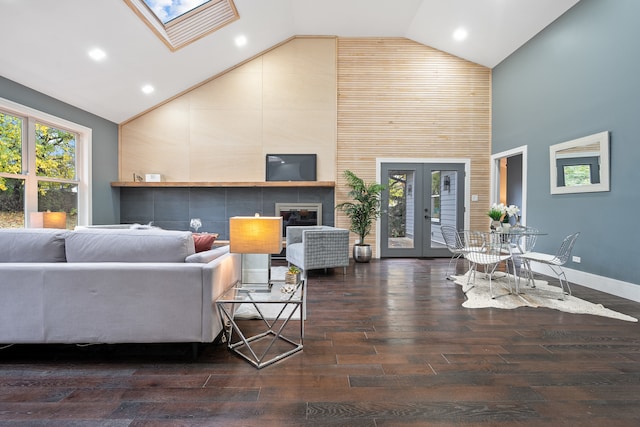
point(45, 43)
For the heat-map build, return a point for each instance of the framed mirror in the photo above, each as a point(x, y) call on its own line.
point(580, 165)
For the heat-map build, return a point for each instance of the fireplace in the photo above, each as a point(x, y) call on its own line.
point(299, 214)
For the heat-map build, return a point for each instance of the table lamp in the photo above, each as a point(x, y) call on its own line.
point(256, 235)
point(48, 219)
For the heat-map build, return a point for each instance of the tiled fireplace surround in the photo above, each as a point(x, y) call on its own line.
point(172, 207)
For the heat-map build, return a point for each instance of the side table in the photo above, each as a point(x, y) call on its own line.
point(266, 347)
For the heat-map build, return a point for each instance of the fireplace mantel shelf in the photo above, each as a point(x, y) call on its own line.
point(226, 184)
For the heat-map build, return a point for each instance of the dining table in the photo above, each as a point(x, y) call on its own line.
point(504, 244)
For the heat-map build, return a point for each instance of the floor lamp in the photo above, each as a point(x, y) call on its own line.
point(256, 235)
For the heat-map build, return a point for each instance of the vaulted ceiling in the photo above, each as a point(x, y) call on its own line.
point(45, 43)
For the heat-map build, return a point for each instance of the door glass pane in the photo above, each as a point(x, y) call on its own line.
point(59, 197)
point(435, 197)
point(10, 144)
point(55, 152)
point(443, 203)
point(11, 203)
point(401, 222)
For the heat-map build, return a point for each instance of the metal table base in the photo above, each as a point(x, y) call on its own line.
point(246, 346)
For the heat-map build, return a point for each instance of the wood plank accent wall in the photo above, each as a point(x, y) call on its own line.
point(401, 99)
point(282, 101)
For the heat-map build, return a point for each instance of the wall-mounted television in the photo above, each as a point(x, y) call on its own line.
point(291, 167)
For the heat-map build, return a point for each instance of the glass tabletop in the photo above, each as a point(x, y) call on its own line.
point(279, 292)
point(520, 231)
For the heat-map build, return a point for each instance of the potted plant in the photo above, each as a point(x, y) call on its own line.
point(362, 211)
point(500, 215)
point(292, 276)
point(495, 213)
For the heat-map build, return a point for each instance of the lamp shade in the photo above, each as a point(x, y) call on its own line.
point(255, 234)
point(48, 219)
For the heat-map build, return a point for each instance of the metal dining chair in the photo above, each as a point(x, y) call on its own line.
point(555, 262)
point(455, 245)
point(523, 241)
point(485, 249)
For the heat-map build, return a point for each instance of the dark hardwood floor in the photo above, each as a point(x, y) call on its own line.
point(389, 344)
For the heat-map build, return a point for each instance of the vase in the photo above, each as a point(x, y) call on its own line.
point(506, 227)
point(496, 225)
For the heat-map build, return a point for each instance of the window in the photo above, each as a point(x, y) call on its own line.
point(181, 22)
point(168, 11)
point(44, 166)
point(578, 171)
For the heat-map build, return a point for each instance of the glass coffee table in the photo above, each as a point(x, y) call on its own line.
point(278, 312)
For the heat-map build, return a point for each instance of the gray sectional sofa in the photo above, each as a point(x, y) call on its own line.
point(110, 286)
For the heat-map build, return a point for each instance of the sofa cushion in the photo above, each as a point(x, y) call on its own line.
point(109, 245)
point(295, 254)
point(32, 245)
point(204, 241)
point(208, 256)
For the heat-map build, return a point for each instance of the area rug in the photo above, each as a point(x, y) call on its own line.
point(542, 295)
point(270, 311)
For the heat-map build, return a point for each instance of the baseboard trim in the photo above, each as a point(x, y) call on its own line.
point(630, 291)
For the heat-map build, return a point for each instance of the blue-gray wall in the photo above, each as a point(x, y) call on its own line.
point(581, 75)
point(106, 200)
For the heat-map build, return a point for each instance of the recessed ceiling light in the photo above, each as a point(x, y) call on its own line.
point(147, 89)
point(97, 54)
point(460, 34)
point(241, 41)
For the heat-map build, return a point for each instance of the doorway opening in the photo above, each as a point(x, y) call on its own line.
point(509, 179)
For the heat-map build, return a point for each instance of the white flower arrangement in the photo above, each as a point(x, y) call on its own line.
point(512, 210)
point(500, 211)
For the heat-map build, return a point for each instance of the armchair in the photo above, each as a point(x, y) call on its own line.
point(315, 247)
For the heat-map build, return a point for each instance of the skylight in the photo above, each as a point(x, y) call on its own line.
point(180, 22)
point(167, 10)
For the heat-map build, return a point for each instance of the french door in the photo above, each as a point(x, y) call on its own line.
point(418, 199)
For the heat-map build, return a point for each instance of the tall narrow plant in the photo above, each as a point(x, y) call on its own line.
point(365, 207)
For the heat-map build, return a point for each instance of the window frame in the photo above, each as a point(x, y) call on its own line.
point(83, 158)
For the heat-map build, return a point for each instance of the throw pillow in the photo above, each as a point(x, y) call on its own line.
point(204, 241)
